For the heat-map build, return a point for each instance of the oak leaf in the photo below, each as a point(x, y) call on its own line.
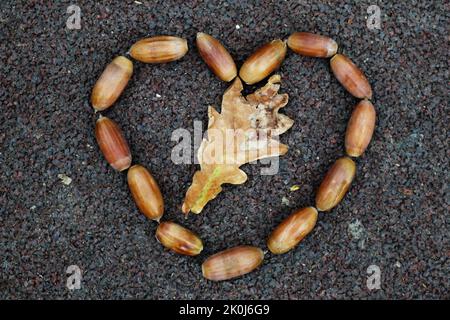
point(246, 130)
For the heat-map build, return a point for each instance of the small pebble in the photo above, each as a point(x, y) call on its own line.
point(285, 201)
point(356, 229)
point(64, 179)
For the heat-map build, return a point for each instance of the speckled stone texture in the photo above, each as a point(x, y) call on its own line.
point(395, 216)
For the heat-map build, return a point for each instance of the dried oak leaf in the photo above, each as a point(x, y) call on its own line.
point(244, 131)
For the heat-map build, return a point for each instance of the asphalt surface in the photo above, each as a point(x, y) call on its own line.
point(395, 216)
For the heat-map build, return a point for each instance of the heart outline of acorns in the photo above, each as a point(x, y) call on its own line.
point(240, 260)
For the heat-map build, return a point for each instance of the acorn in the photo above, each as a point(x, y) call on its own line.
point(111, 83)
point(292, 230)
point(232, 263)
point(145, 192)
point(159, 49)
point(312, 45)
point(179, 239)
point(216, 57)
point(263, 61)
point(351, 77)
point(112, 143)
point(360, 128)
point(336, 183)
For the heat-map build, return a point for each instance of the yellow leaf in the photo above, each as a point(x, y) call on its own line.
point(246, 130)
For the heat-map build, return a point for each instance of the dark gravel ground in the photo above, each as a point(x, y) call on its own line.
point(395, 215)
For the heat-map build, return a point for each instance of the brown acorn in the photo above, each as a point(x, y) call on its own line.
point(179, 239)
point(111, 83)
point(360, 128)
point(292, 230)
point(216, 57)
point(312, 45)
point(145, 192)
point(263, 61)
point(351, 77)
point(112, 144)
point(159, 49)
point(232, 263)
point(335, 184)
